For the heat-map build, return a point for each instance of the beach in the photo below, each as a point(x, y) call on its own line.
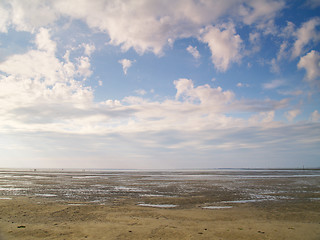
point(159, 205)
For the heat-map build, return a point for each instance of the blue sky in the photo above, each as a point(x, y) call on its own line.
point(159, 84)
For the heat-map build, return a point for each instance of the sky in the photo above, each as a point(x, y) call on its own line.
point(159, 84)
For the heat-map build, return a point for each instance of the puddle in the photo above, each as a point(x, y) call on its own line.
point(12, 189)
point(152, 195)
point(217, 207)
point(46, 195)
point(158, 205)
point(128, 189)
point(245, 201)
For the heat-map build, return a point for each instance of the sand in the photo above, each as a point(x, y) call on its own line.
point(41, 218)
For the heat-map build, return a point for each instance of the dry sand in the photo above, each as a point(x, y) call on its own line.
point(39, 218)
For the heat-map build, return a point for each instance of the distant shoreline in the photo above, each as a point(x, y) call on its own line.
point(153, 170)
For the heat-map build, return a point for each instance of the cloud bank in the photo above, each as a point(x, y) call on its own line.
point(47, 95)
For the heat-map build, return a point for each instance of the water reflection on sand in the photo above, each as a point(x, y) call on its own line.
point(163, 188)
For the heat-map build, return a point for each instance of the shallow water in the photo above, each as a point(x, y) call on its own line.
point(158, 205)
point(217, 207)
point(162, 187)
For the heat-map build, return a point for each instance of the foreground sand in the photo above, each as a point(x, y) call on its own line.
point(36, 218)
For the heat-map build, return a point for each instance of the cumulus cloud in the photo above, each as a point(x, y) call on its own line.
point(254, 38)
point(240, 84)
point(291, 93)
point(29, 15)
point(313, 3)
point(89, 49)
point(143, 25)
point(264, 117)
point(35, 64)
point(289, 30)
point(307, 34)
point(44, 42)
point(42, 92)
point(152, 24)
point(193, 51)
point(126, 64)
point(292, 114)
point(283, 51)
point(84, 66)
point(225, 45)
point(315, 116)
point(311, 63)
point(4, 20)
point(274, 66)
point(37, 87)
point(141, 92)
point(213, 98)
point(259, 11)
point(274, 84)
point(39, 93)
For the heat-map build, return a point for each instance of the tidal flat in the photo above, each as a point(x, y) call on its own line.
point(175, 204)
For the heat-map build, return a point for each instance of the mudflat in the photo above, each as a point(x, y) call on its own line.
point(209, 205)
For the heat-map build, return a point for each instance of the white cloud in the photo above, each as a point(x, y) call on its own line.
point(291, 93)
point(4, 20)
point(62, 105)
point(126, 64)
point(83, 66)
point(313, 3)
point(42, 94)
point(239, 84)
point(311, 63)
point(35, 64)
point(89, 49)
point(30, 15)
point(40, 90)
point(206, 95)
point(274, 66)
point(259, 11)
point(68, 66)
point(315, 116)
point(262, 117)
point(143, 25)
point(152, 25)
point(283, 53)
point(305, 35)
point(44, 42)
point(289, 30)
point(254, 38)
point(292, 114)
point(274, 84)
point(225, 45)
point(193, 51)
point(141, 92)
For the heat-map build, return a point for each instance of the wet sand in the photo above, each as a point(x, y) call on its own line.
point(159, 206)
